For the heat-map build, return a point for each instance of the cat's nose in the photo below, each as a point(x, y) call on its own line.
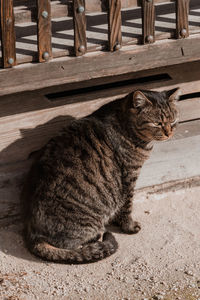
point(167, 130)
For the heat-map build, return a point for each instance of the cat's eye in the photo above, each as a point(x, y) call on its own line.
point(157, 123)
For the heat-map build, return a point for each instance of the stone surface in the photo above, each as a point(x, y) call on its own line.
point(160, 262)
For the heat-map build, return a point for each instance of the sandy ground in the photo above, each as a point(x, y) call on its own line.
point(162, 261)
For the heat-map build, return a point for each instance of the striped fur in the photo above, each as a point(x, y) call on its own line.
point(85, 177)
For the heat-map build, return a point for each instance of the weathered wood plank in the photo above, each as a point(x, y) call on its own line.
point(100, 64)
point(184, 75)
point(44, 30)
point(7, 34)
point(114, 25)
point(79, 19)
point(148, 22)
point(189, 109)
point(187, 129)
point(182, 12)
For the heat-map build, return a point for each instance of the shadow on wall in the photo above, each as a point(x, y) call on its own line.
point(15, 161)
point(32, 140)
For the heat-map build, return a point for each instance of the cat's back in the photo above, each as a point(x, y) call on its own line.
point(83, 139)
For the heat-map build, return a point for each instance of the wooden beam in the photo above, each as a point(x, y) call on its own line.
point(114, 25)
point(79, 19)
point(7, 34)
point(100, 64)
point(44, 30)
point(182, 12)
point(148, 21)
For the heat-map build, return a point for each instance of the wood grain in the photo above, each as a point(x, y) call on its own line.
point(182, 12)
point(99, 65)
point(7, 34)
point(44, 30)
point(114, 25)
point(79, 19)
point(148, 22)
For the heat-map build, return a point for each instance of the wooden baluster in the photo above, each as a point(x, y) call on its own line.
point(114, 25)
point(182, 12)
point(7, 34)
point(148, 21)
point(79, 19)
point(44, 30)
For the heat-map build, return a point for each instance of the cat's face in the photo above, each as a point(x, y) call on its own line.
point(156, 114)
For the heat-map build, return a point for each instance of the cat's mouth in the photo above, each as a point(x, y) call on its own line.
point(163, 137)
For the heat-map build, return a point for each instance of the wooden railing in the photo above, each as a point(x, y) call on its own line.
point(7, 34)
point(44, 32)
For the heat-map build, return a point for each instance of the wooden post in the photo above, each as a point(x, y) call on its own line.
point(44, 30)
point(182, 12)
point(7, 34)
point(148, 21)
point(79, 19)
point(114, 25)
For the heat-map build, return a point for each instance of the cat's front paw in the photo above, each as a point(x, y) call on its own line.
point(129, 226)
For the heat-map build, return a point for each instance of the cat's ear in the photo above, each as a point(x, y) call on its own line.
point(174, 94)
point(140, 100)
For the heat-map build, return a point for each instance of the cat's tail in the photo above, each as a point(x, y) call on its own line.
point(88, 253)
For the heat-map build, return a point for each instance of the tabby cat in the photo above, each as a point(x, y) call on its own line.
point(84, 178)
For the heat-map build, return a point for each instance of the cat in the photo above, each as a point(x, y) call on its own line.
point(84, 178)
